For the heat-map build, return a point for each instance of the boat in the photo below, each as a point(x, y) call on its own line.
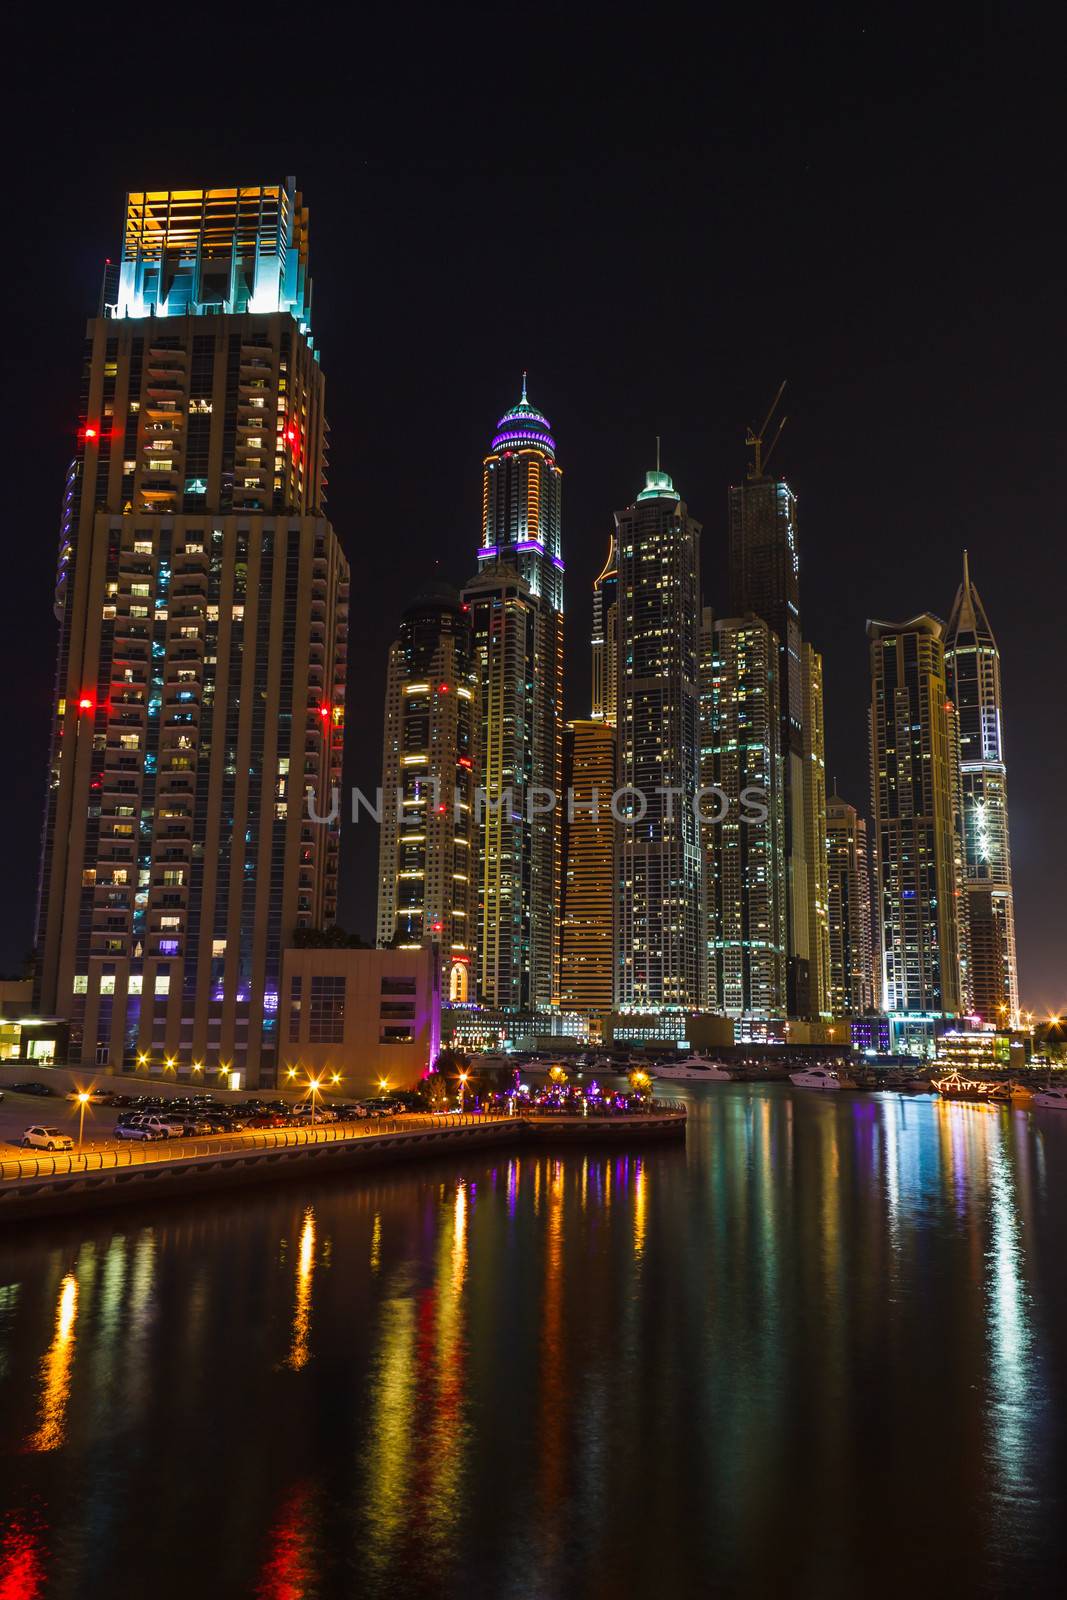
point(821, 1078)
point(693, 1067)
point(1052, 1099)
point(955, 1087)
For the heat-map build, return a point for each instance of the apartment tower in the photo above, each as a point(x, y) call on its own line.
point(203, 603)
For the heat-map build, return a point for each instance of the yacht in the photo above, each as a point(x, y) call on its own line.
point(692, 1067)
point(821, 1078)
point(1053, 1099)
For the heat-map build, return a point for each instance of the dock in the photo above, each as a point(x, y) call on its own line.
point(41, 1184)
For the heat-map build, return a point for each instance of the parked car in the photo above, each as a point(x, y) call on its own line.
point(352, 1113)
point(267, 1119)
point(44, 1089)
point(137, 1130)
point(47, 1139)
point(382, 1105)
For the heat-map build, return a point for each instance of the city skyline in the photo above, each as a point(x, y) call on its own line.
point(937, 364)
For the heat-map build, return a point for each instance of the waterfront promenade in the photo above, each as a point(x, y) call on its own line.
point(39, 1182)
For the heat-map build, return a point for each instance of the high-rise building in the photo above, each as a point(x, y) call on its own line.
point(914, 785)
point(203, 609)
point(973, 666)
point(815, 842)
point(744, 847)
point(605, 640)
point(851, 975)
point(516, 600)
point(428, 860)
point(587, 954)
point(765, 580)
point(660, 932)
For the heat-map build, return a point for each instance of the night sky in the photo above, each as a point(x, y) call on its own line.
point(660, 225)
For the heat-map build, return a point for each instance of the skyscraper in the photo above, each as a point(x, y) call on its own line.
point(587, 954)
point(745, 848)
point(203, 604)
point(516, 600)
point(605, 639)
point(973, 667)
point(765, 581)
point(851, 973)
point(914, 783)
point(428, 862)
point(815, 843)
point(660, 934)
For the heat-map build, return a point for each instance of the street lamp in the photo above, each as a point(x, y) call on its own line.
point(83, 1098)
point(462, 1085)
point(383, 1085)
point(313, 1085)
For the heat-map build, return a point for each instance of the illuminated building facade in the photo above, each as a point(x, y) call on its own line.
point(765, 580)
point(428, 862)
point(972, 663)
point(587, 953)
point(851, 973)
point(914, 785)
point(744, 850)
point(815, 840)
point(605, 640)
point(660, 931)
point(203, 604)
point(516, 601)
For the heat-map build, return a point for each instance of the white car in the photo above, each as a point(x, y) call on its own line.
point(47, 1139)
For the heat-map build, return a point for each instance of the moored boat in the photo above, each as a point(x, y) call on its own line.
point(1053, 1098)
point(821, 1078)
point(693, 1067)
point(955, 1087)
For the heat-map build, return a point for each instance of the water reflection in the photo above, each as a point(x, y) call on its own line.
point(55, 1370)
point(521, 1366)
point(305, 1266)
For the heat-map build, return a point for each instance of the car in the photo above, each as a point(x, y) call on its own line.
point(44, 1089)
point(137, 1130)
point(169, 1126)
point(351, 1113)
point(40, 1138)
point(382, 1105)
point(267, 1119)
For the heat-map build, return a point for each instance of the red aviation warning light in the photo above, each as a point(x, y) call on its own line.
point(442, 688)
point(85, 703)
point(324, 713)
point(90, 431)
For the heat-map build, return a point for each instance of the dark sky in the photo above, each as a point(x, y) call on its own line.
point(661, 224)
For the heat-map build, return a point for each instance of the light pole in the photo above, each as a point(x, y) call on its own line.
point(314, 1084)
point(462, 1086)
point(83, 1098)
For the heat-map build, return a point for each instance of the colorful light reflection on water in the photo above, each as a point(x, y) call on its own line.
point(824, 1349)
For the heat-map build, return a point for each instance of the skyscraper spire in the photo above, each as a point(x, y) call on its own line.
point(524, 401)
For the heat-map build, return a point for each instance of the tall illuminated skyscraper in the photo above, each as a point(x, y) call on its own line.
point(973, 667)
point(744, 849)
point(587, 954)
point(428, 861)
point(815, 843)
point(203, 605)
point(851, 979)
point(914, 783)
point(516, 601)
point(660, 933)
point(605, 639)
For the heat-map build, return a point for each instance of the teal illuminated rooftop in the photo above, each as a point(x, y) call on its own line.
point(193, 252)
point(658, 486)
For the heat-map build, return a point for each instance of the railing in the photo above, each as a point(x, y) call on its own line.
point(168, 1152)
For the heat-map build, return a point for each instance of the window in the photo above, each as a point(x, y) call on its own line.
point(327, 1019)
point(398, 985)
point(295, 989)
point(163, 983)
point(81, 983)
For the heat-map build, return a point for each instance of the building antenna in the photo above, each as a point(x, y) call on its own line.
point(966, 573)
point(657, 452)
point(755, 440)
point(524, 401)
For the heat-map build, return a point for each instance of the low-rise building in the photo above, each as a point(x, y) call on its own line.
point(369, 1015)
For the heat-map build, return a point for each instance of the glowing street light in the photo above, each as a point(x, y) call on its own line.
point(383, 1085)
point(314, 1085)
point(82, 1098)
point(462, 1086)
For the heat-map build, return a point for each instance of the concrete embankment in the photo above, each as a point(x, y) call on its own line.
point(41, 1184)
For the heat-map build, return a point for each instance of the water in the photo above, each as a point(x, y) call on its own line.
point(821, 1351)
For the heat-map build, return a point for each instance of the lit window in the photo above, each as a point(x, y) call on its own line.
point(163, 983)
point(81, 983)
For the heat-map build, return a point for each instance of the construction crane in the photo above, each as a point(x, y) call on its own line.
point(755, 440)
